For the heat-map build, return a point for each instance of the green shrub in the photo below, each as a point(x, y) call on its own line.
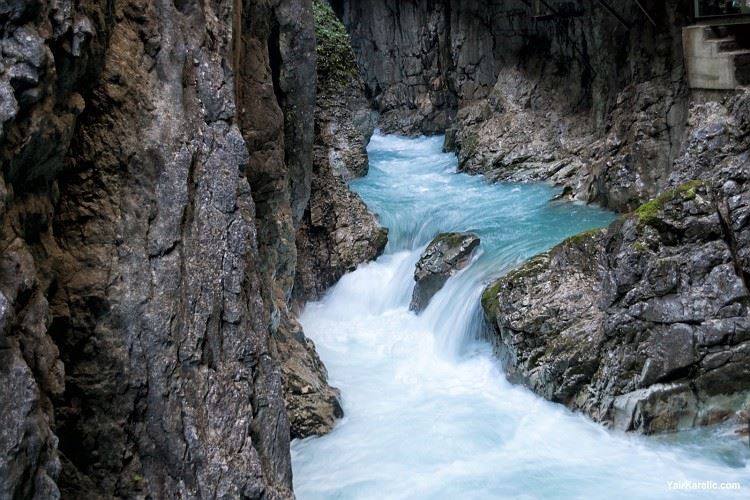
point(336, 62)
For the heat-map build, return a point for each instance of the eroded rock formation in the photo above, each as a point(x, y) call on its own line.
point(157, 164)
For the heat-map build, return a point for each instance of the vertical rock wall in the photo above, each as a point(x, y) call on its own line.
point(49, 55)
point(156, 168)
point(171, 388)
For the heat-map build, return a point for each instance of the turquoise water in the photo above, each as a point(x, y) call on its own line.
point(429, 413)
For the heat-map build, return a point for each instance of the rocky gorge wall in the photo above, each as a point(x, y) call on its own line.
point(581, 98)
point(337, 230)
point(157, 166)
point(644, 326)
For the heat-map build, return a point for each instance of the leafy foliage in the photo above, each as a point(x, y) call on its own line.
point(336, 63)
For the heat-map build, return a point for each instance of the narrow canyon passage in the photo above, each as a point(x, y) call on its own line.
point(428, 411)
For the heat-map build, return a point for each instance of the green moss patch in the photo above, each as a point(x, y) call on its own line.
point(489, 299)
point(583, 237)
point(532, 267)
point(452, 239)
point(648, 213)
point(336, 62)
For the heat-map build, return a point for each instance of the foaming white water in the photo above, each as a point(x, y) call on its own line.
point(428, 411)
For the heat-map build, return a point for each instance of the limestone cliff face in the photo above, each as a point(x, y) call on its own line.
point(156, 166)
point(580, 98)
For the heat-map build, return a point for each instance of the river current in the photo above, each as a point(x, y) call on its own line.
point(429, 413)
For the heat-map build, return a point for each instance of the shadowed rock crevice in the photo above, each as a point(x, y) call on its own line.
point(336, 231)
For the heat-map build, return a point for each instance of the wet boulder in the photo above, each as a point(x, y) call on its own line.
point(444, 256)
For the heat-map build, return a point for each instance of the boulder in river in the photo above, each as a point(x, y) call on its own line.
point(446, 254)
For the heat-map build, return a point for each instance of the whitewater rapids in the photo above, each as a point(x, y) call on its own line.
point(429, 413)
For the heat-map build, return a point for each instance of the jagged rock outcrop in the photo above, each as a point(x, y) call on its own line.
point(337, 231)
point(446, 254)
point(646, 326)
point(156, 165)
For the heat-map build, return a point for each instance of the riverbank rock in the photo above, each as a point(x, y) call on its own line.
point(337, 231)
point(643, 326)
point(446, 254)
point(312, 404)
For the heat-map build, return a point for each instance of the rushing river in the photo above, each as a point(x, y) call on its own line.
point(429, 413)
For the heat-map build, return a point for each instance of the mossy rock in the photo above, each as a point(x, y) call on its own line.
point(532, 267)
point(336, 63)
point(581, 238)
point(489, 299)
point(648, 213)
point(641, 247)
point(452, 239)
